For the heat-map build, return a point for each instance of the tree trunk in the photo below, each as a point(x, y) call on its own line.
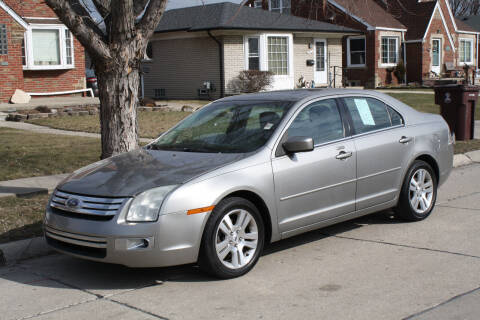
point(118, 90)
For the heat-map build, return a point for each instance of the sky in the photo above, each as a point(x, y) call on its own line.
point(174, 4)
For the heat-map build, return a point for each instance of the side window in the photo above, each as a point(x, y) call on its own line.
point(321, 120)
point(368, 114)
point(396, 118)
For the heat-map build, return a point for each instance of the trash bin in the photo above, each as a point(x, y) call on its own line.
point(457, 104)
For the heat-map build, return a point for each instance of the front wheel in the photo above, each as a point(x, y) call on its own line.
point(418, 194)
point(233, 239)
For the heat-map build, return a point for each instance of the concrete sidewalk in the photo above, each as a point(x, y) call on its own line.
point(29, 186)
point(55, 102)
point(42, 129)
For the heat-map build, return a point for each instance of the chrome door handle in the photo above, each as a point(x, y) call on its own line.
point(344, 155)
point(405, 139)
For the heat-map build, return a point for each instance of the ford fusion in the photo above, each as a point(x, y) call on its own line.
point(249, 170)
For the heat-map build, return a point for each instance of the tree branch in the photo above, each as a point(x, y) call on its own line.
point(103, 7)
point(92, 41)
point(151, 18)
point(139, 6)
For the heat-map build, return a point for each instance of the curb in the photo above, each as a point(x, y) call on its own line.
point(465, 159)
point(13, 252)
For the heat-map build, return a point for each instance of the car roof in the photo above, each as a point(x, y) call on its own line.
point(298, 95)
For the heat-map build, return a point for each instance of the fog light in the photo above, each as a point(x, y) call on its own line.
point(134, 244)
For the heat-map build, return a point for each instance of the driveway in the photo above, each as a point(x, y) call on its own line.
point(371, 268)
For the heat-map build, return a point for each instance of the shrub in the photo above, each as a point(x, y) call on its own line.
point(399, 71)
point(250, 81)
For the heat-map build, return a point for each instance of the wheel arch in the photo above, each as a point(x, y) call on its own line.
point(261, 206)
point(432, 162)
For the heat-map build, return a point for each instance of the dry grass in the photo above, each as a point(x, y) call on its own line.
point(466, 146)
point(27, 154)
point(151, 124)
point(424, 102)
point(21, 218)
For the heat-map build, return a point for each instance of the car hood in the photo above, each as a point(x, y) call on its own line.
point(130, 173)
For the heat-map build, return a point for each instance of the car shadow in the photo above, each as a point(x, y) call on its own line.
point(64, 271)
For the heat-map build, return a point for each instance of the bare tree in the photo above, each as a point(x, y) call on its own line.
point(117, 50)
point(465, 7)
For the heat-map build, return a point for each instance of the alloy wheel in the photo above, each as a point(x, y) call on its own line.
point(236, 239)
point(421, 191)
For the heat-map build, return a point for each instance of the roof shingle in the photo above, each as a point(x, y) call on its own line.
point(226, 15)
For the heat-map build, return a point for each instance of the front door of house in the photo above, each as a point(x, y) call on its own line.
point(321, 69)
point(436, 55)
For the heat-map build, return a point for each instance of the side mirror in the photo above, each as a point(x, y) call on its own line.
point(298, 144)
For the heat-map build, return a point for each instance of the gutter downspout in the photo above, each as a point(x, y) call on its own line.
point(222, 64)
point(405, 77)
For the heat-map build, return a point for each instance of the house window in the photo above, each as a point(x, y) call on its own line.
point(356, 51)
point(68, 46)
point(282, 6)
point(24, 56)
point(466, 51)
point(258, 3)
point(389, 50)
point(48, 47)
point(3, 39)
point(253, 54)
point(278, 55)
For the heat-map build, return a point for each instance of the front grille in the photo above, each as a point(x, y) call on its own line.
point(76, 243)
point(87, 207)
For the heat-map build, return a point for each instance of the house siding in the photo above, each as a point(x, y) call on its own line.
point(181, 67)
point(414, 62)
point(11, 70)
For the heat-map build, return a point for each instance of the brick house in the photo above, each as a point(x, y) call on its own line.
point(214, 43)
point(421, 34)
point(38, 54)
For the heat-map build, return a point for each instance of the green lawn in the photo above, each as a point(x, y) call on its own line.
point(424, 102)
point(27, 154)
point(151, 124)
point(21, 218)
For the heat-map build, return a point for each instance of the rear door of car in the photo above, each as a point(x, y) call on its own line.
point(383, 146)
point(318, 185)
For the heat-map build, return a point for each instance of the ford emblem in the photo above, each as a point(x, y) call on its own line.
point(73, 203)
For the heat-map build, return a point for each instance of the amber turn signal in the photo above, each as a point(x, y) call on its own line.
point(200, 210)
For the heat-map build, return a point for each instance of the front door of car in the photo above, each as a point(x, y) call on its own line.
point(383, 147)
point(318, 185)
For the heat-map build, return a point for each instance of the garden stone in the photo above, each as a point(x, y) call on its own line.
point(52, 115)
point(92, 112)
point(187, 109)
point(73, 113)
point(20, 96)
point(83, 113)
point(157, 108)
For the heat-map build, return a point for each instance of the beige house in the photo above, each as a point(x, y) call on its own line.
point(198, 52)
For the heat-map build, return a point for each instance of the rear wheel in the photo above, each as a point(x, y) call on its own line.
point(418, 194)
point(233, 239)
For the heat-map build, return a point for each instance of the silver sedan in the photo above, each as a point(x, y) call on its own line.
point(248, 170)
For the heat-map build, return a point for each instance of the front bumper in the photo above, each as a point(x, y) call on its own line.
point(172, 240)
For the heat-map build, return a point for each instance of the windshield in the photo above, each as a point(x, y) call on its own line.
point(226, 127)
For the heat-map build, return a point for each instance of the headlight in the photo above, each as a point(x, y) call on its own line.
point(146, 206)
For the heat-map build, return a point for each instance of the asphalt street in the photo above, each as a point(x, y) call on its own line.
point(374, 267)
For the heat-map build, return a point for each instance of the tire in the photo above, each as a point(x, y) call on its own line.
point(234, 244)
point(417, 199)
